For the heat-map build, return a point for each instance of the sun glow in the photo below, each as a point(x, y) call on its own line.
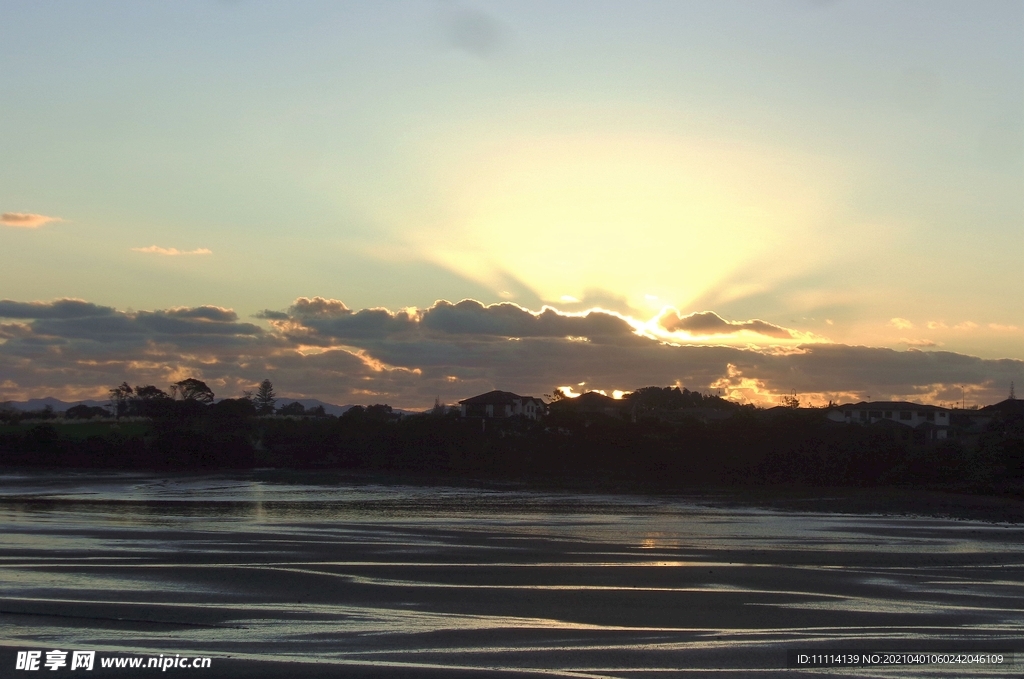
point(627, 214)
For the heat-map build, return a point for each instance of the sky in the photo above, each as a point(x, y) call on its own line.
point(402, 201)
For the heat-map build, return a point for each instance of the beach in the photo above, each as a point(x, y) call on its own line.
point(305, 576)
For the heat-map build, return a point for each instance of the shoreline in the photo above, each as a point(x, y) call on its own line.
point(1004, 505)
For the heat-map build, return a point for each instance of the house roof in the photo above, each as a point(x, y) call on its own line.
point(889, 405)
point(1010, 405)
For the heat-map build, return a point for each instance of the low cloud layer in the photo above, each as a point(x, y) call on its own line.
point(62, 308)
point(26, 220)
point(321, 348)
point(705, 323)
point(172, 252)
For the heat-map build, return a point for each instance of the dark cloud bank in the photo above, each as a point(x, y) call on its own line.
point(320, 348)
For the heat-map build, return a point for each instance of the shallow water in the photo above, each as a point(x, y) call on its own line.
point(349, 575)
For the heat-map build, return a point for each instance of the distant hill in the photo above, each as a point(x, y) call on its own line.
point(308, 403)
point(330, 408)
point(57, 405)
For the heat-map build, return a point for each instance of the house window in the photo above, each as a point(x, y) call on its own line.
point(876, 413)
point(888, 414)
point(906, 415)
point(931, 417)
point(943, 415)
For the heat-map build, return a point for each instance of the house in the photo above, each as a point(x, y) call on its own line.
point(496, 404)
point(1010, 406)
point(933, 421)
point(997, 415)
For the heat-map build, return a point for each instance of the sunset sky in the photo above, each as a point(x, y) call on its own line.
point(752, 198)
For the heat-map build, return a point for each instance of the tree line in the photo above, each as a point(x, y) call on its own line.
point(189, 429)
point(151, 401)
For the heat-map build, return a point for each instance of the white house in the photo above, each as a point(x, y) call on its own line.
point(913, 415)
point(503, 404)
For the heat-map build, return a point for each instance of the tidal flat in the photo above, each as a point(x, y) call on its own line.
point(303, 575)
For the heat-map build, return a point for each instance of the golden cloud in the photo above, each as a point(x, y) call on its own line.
point(321, 348)
point(26, 220)
point(707, 323)
point(172, 252)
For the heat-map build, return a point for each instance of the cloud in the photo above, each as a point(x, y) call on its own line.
point(901, 323)
point(1003, 328)
point(11, 330)
point(321, 348)
point(318, 307)
point(71, 320)
point(709, 323)
point(271, 315)
point(505, 320)
point(210, 313)
point(61, 308)
point(175, 322)
point(172, 252)
point(26, 220)
point(918, 342)
point(596, 298)
point(332, 320)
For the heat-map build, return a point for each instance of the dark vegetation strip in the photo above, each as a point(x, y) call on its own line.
point(800, 448)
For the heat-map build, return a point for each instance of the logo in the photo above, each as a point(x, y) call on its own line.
point(55, 660)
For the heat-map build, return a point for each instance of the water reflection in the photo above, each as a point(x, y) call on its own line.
point(388, 575)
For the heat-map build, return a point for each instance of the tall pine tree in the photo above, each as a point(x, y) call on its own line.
point(265, 398)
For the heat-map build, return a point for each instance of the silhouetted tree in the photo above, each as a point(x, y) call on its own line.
point(84, 412)
point(264, 399)
point(149, 392)
point(381, 412)
point(119, 399)
point(150, 401)
point(557, 395)
point(192, 389)
point(233, 409)
point(293, 408)
point(439, 408)
point(354, 413)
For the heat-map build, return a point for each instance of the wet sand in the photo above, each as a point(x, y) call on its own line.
point(273, 578)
